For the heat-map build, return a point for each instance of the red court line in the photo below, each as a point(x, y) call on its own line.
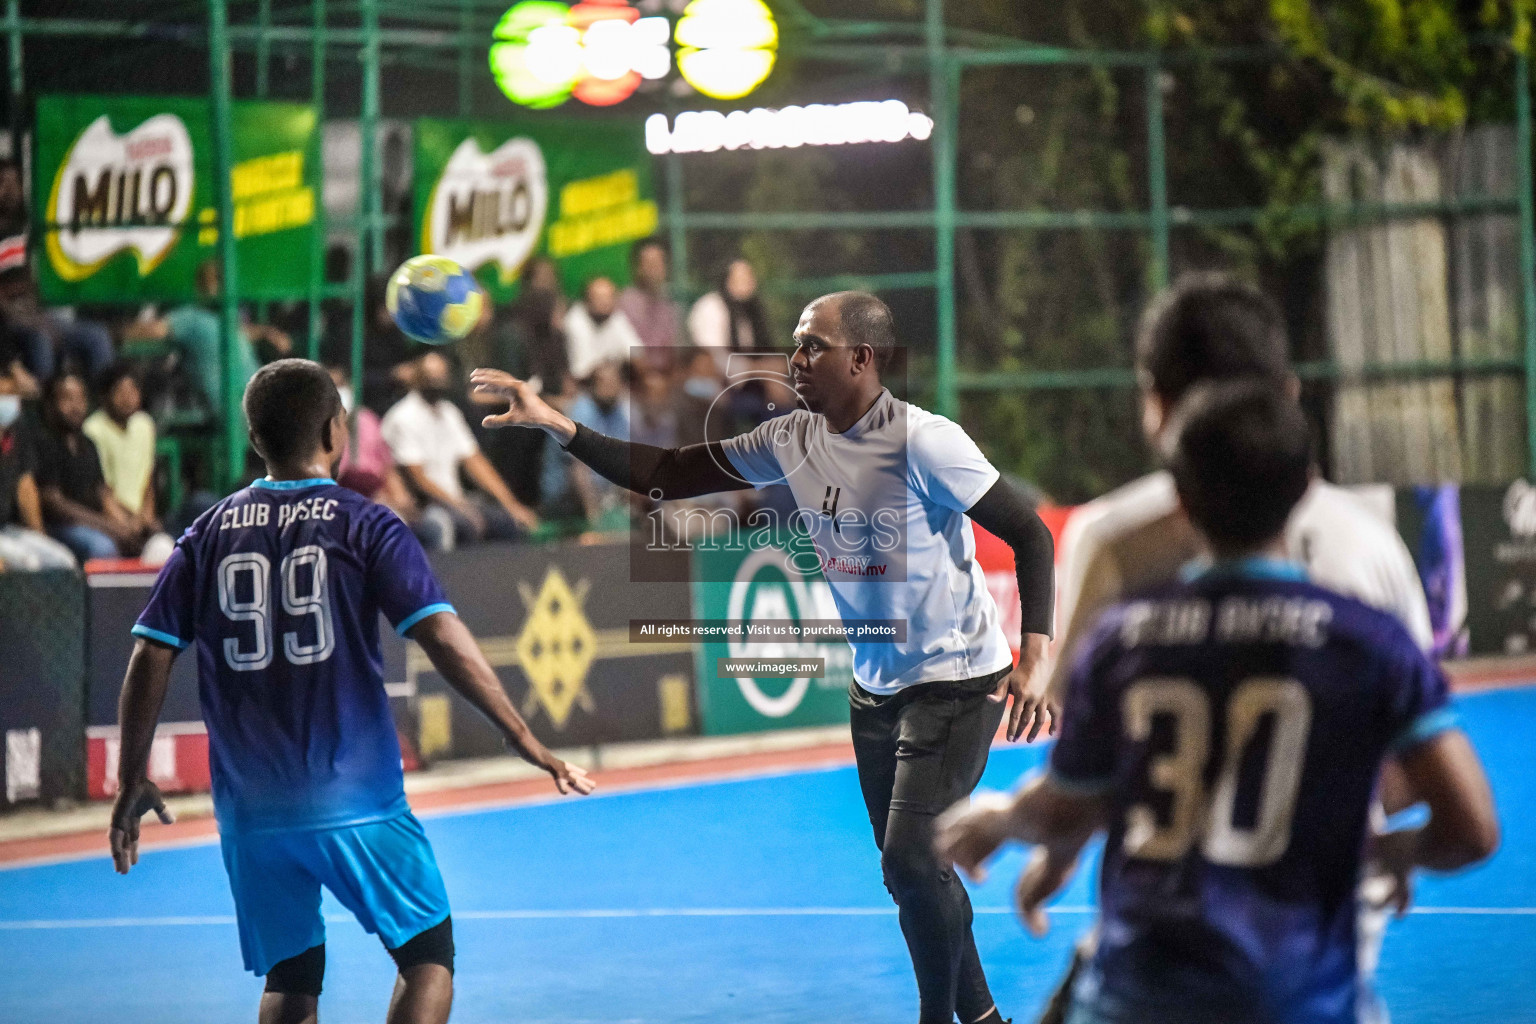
point(84, 844)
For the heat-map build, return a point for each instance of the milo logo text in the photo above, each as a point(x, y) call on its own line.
point(488, 207)
point(115, 192)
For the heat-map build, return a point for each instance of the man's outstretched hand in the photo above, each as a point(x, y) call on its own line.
point(524, 406)
point(1027, 685)
point(1047, 874)
point(969, 833)
point(569, 778)
point(132, 804)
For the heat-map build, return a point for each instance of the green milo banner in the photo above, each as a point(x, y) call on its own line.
point(124, 189)
point(756, 585)
point(491, 194)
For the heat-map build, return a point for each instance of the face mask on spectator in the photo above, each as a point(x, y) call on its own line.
point(345, 391)
point(434, 391)
point(702, 388)
point(10, 410)
point(606, 405)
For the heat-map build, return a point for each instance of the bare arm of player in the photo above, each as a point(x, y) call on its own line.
point(1463, 828)
point(1043, 812)
point(1057, 821)
point(669, 473)
point(454, 653)
point(138, 709)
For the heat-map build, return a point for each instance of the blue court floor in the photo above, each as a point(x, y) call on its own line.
point(740, 901)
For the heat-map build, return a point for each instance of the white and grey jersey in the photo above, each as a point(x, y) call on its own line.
point(1136, 537)
point(884, 502)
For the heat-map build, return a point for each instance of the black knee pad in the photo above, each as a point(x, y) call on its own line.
point(299, 975)
point(433, 946)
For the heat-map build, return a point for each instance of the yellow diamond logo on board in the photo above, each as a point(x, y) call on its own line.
point(556, 648)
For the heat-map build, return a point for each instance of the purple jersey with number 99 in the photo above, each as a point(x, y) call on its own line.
point(280, 587)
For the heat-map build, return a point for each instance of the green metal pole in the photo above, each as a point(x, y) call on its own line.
point(1157, 176)
point(370, 245)
point(373, 209)
point(223, 160)
point(1527, 246)
point(18, 78)
point(317, 248)
point(466, 59)
point(263, 46)
point(677, 223)
point(263, 59)
point(943, 80)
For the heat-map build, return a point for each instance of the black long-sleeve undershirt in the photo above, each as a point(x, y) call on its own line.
point(1008, 515)
point(687, 472)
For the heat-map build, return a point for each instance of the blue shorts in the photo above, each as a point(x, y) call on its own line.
point(383, 872)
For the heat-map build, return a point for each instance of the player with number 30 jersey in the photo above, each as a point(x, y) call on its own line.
point(1228, 732)
point(1226, 716)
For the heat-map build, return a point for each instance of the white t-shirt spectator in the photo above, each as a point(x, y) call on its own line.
point(434, 437)
point(709, 324)
point(588, 343)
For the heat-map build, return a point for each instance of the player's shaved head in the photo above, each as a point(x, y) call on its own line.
point(288, 407)
point(1241, 456)
point(1209, 327)
point(865, 320)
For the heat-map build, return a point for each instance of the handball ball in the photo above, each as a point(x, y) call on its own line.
point(434, 300)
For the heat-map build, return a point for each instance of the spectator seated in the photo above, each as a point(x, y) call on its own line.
point(431, 443)
point(80, 509)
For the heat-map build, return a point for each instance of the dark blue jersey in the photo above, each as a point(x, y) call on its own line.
point(1238, 723)
point(280, 586)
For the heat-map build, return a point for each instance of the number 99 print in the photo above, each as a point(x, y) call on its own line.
point(254, 606)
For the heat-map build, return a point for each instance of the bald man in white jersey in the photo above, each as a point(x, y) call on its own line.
point(886, 492)
point(1209, 327)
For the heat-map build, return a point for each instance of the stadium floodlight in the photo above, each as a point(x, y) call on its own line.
point(816, 124)
point(598, 51)
point(536, 56)
point(726, 47)
point(608, 75)
point(556, 56)
point(651, 56)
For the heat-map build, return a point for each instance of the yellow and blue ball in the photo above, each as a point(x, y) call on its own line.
point(434, 300)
